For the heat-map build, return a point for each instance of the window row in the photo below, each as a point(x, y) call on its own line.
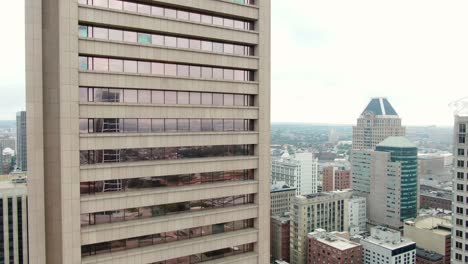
point(170, 153)
point(164, 181)
point(160, 125)
point(163, 40)
point(159, 68)
point(165, 237)
point(143, 96)
point(162, 210)
point(210, 255)
point(159, 11)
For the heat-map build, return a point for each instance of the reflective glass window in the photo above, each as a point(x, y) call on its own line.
point(144, 67)
point(116, 35)
point(144, 125)
point(218, 73)
point(217, 99)
point(195, 98)
point(183, 98)
point(218, 125)
point(144, 38)
point(157, 97)
point(172, 13)
point(182, 15)
point(228, 48)
point(116, 4)
point(170, 69)
point(195, 44)
point(228, 22)
point(195, 71)
point(195, 125)
point(100, 64)
point(218, 47)
point(207, 125)
point(157, 68)
point(115, 65)
point(228, 125)
point(130, 125)
point(206, 19)
point(157, 125)
point(239, 125)
point(144, 96)
point(207, 98)
point(207, 72)
point(130, 36)
point(239, 24)
point(157, 11)
point(207, 45)
point(239, 75)
point(183, 70)
point(170, 125)
point(100, 3)
point(170, 41)
point(182, 43)
point(84, 125)
point(83, 95)
point(170, 97)
point(228, 74)
point(130, 66)
point(217, 21)
point(183, 125)
point(129, 6)
point(83, 31)
point(195, 17)
point(239, 99)
point(157, 40)
point(130, 96)
point(100, 33)
point(144, 9)
point(239, 50)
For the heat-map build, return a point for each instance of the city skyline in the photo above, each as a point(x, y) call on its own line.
point(329, 47)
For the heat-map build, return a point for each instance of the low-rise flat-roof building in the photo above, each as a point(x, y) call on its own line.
point(428, 257)
point(432, 233)
point(386, 246)
point(436, 199)
point(327, 247)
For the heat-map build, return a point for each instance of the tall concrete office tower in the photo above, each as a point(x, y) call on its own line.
point(460, 190)
point(21, 148)
point(377, 122)
point(388, 178)
point(148, 130)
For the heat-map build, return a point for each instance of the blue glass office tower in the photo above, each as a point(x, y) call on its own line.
point(405, 153)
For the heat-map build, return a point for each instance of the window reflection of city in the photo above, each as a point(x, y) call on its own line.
point(124, 185)
point(161, 125)
point(164, 40)
point(173, 13)
point(211, 255)
point(161, 97)
point(169, 153)
point(130, 214)
point(163, 68)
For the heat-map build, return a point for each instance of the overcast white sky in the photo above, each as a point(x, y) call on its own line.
point(330, 57)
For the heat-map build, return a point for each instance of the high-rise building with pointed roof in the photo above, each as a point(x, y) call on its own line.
point(378, 121)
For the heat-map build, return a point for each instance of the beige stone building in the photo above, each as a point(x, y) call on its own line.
point(148, 131)
point(13, 221)
point(377, 122)
point(281, 198)
point(321, 210)
point(432, 233)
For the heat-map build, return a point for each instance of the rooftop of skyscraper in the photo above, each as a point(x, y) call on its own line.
point(380, 106)
point(399, 142)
